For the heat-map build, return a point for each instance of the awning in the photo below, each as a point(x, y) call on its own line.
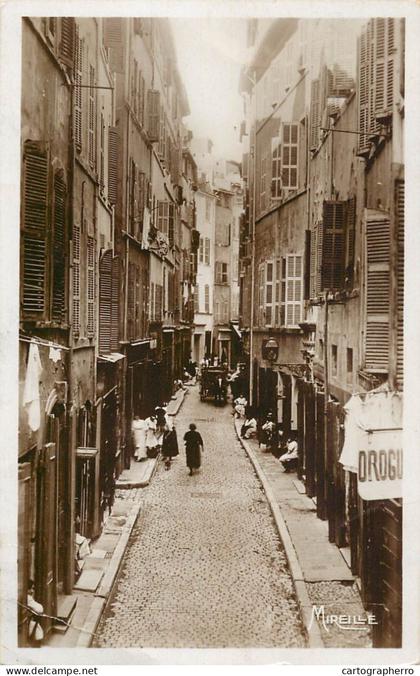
point(112, 357)
point(143, 341)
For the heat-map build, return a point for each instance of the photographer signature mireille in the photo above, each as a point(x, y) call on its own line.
point(345, 622)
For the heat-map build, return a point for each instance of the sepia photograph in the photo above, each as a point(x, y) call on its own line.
point(211, 331)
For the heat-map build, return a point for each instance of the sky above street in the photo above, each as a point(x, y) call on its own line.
point(211, 52)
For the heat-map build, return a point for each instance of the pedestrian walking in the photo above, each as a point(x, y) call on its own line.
point(139, 430)
point(193, 446)
point(169, 446)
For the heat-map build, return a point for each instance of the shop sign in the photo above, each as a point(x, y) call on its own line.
point(380, 465)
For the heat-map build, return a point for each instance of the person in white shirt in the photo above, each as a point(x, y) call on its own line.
point(289, 459)
point(249, 428)
point(239, 408)
point(139, 430)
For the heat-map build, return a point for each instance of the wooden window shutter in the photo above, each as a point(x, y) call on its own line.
point(76, 281)
point(67, 42)
point(35, 228)
point(332, 272)
point(315, 114)
point(141, 203)
point(115, 304)
point(114, 41)
point(377, 225)
point(90, 325)
point(363, 93)
point(113, 148)
point(399, 216)
point(350, 239)
point(102, 155)
point(78, 92)
point(131, 301)
point(92, 119)
point(171, 229)
point(153, 114)
point(132, 197)
point(59, 250)
point(105, 288)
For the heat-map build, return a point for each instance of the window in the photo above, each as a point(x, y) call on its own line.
point(201, 250)
point(58, 309)
point(153, 111)
point(78, 93)
point(275, 168)
point(291, 290)
point(289, 170)
point(315, 115)
point(92, 119)
point(334, 360)
point(225, 311)
point(207, 251)
point(269, 294)
point(333, 245)
point(221, 273)
point(113, 147)
point(196, 298)
point(263, 180)
point(163, 217)
point(206, 298)
point(162, 134)
point(349, 364)
point(102, 155)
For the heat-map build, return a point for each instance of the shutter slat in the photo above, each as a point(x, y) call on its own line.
point(105, 286)
point(67, 43)
point(399, 204)
point(115, 304)
point(332, 270)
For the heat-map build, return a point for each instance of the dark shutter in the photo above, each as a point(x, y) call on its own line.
point(399, 215)
point(113, 147)
point(115, 304)
point(35, 224)
point(114, 41)
point(377, 290)
point(350, 236)
point(59, 250)
point(131, 302)
point(332, 273)
point(67, 42)
point(105, 287)
point(171, 226)
point(153, 114)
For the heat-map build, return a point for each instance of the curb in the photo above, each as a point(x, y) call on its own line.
point(179, 403)
point(305, 605)
point(102, 595)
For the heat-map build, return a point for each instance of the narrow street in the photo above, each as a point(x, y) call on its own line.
point(205, 567)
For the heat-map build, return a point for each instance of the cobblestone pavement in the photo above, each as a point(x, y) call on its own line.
point(204, 567)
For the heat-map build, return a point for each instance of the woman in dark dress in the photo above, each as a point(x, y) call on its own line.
point(169, 446)
point(193, 446)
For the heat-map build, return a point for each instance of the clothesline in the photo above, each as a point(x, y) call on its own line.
point(28, 339)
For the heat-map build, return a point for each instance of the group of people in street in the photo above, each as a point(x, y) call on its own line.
point(153, 435)
point(157, 434)
point(269, 436)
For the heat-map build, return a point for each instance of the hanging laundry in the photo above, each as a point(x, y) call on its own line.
point(31, 389)
point(55, 354)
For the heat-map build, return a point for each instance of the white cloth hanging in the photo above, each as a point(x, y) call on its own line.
point(55, 354)
point(139, 429)
point(31, 389)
